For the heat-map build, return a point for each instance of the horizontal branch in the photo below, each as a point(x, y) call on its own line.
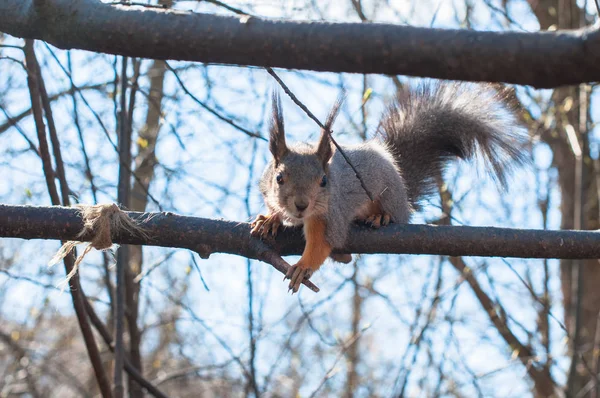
point(207, 236)
point(541, 59)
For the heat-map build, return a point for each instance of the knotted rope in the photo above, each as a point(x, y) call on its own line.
point(101, 222)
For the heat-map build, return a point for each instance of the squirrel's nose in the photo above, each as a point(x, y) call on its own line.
point(301, 206)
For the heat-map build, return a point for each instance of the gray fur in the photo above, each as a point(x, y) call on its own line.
point(429, 126)
point(426, 129)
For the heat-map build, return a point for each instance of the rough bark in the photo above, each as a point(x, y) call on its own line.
point(206, 236)
point(567, 15)
point(536, 59)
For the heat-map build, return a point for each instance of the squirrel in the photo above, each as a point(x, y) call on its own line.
point(313, 186)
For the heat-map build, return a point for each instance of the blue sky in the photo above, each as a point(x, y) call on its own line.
point(216, 156)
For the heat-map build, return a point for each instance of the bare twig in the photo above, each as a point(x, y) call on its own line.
point(544, 384)
point(332, 370)
point(101, 123)
point(212, 111)
point(13, 122)
point(227, 7)
point(88, 167)
point(130, 369)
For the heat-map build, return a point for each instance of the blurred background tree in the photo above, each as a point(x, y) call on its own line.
point(381, 326)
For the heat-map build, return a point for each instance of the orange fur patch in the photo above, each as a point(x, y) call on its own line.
point(317, 249)
point(368, 209)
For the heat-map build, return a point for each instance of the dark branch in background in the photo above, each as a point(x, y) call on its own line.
point(88, 168)
point(536, 59)
point(206, 236)
point(123, 194)
point(544, 384)
point(129, 368)
point(13, 120)
point(34, 82)
point(99, 120)
point(21, 354)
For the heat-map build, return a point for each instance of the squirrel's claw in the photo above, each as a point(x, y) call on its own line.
point(262, 225)
point(296, 274)
point(377, 220)
point(385, 219)
point(257, 225)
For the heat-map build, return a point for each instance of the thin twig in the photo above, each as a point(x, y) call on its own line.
point(227, 7)
point(101, 123)
point(13, 122)
point(60, 168)
point(331, 372)
point(313, 117)
point(137, 4)
point(544, 384)
point(86, 158)
point(11, 46)
point(210, 110)
point(105, 334)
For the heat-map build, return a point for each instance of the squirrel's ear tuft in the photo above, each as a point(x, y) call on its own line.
point(324, 150)
point(276, 131)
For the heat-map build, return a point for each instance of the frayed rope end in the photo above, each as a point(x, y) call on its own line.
point(99, 221)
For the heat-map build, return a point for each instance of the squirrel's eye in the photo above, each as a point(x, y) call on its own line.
point(279, 178)
point(323, 181)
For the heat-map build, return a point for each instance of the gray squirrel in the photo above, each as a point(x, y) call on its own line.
point(312, 184)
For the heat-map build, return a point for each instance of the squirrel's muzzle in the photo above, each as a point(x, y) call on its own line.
point(301, 205)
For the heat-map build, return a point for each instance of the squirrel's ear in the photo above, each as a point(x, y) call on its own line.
point(276, 131)
point(324, 150)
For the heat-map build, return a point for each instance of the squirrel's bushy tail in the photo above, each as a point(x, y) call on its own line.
point(434, 123)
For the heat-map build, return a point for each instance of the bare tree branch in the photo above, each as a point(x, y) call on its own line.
point(34, 82)
point(129, 368)
point(206, 236)
point(536, 59)
point(123, 195)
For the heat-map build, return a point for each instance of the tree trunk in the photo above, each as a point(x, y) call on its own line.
point(144, 170)
point(571, 107)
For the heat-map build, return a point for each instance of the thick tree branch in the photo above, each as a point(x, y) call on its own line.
point(206, 236)
point(545, 59)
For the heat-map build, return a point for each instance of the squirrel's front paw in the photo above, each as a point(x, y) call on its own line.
point(377, 220)
point(262, 225)
point(296, 274)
